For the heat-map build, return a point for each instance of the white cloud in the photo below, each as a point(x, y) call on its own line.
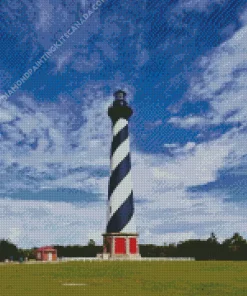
point(45, 15)
point(47, 128)
point(172, 145)
point(179, 213)
point(142, 57)
point(222, 84)
point(177, 149)
point(153, 124)
point(63, 59)
point(170, 212)
point(195, 164)
point(189, 146)
point(29, 223)
point(5, 115)
point(83, 3)
point(198, 5)
point(171, 217)
point(85, 64)
point(243, 17)
point(190, 121)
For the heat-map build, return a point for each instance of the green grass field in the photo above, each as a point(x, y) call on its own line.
point(192, 278)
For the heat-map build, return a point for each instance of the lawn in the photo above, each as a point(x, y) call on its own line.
point(192, 278)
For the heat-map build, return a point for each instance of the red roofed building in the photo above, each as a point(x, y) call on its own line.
point(47, 253)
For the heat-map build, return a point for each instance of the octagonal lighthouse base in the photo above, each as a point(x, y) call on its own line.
point(120, 246)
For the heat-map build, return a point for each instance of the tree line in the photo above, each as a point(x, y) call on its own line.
point(234, 248)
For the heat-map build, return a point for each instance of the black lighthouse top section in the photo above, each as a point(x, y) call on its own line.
point(120, 107)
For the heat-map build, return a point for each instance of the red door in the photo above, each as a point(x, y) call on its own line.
point(133, 246)
point(120, 245)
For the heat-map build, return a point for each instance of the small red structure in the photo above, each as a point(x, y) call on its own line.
point(121, 245)
point(46, 253)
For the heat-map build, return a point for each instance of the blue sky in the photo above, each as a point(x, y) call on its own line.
point(184, 67)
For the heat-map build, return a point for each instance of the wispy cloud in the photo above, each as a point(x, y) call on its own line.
point(159, 182)
point(198, 5)
point(40, 223)
point(45, 15)
point(222, 84)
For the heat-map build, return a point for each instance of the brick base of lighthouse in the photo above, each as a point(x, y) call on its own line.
point(120, 246)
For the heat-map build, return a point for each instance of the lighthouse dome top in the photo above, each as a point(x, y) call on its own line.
point(120, 95)
point(120, 107)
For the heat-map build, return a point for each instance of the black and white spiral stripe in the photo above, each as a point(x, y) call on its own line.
point(120, 194)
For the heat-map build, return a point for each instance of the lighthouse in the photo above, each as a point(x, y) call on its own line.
point(121, 238)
